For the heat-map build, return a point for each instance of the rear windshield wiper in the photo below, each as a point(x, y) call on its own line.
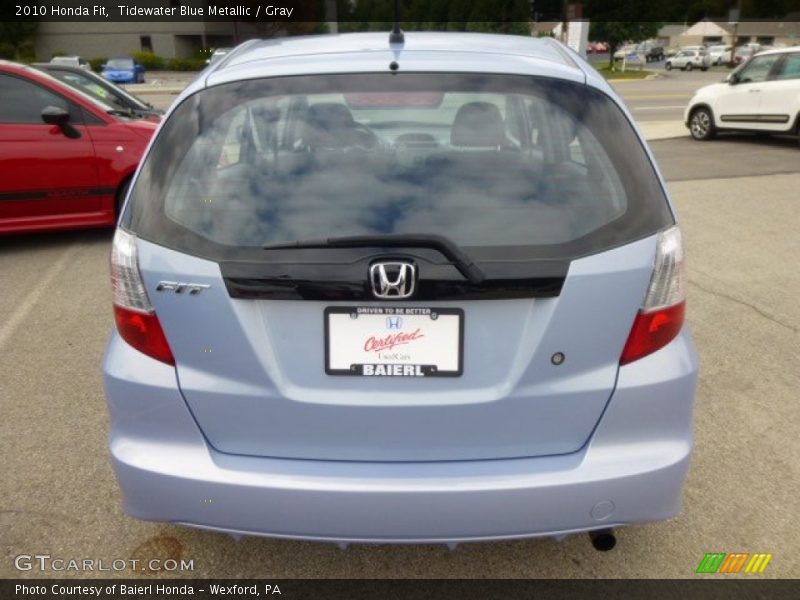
point(447, 247)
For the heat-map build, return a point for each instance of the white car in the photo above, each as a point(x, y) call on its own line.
point(218, 54)
point(746, 52)
point(686, 60)
point(762, 95)
point(72, 61)
point(720, 54)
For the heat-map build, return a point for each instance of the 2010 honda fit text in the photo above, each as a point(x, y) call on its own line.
point(428, 291)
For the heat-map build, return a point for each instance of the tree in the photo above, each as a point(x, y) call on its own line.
point(499, 16)
point(17, 34)
point(513, 16)
point(266, 29)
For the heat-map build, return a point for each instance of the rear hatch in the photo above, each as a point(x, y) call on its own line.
point(499, 240)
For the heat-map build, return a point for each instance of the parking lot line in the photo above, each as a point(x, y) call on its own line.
point(657, 96)
point(24, 308)
point(657, 107)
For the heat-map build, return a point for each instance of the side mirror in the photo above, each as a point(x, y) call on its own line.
point(733, 78)
point(53, 115)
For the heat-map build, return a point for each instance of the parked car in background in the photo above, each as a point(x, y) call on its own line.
point(693, 48)
point(686, 60)
point(597, 47)
point(123, 69)
point(720, 54)
point(624, 52)
point(650, 50)
point(441, 301)
point(218, 54)
point(655, 54)
point(763, 95)
point(101, 89)
point(745, 52)
point(65, 158)
point(742, 55)
point(71, 61)
point(645, 51)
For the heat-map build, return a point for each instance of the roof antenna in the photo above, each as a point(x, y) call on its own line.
point(396, 36)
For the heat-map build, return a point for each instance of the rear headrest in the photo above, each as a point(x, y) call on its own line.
point(330, 116)
point(329, 125)
point(478, 125)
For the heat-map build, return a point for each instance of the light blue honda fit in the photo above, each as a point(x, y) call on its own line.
point(428, 290)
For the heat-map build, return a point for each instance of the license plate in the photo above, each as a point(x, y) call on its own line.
point(394, 341)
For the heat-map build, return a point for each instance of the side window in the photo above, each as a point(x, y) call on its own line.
point(22, 101)
point(515, 123)
point(791, 67)
point(253, 132)
point(89, 85)
point(231, 152)
point(757, 70)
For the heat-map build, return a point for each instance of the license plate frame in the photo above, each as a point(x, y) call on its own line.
point(410, 317)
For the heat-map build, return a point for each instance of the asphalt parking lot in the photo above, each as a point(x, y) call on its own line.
point(737, 199)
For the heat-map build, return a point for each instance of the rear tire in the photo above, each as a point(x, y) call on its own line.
point(797, 129)
point(701, 124)
point(689, 66)
point(668, 66)
point(704, 69)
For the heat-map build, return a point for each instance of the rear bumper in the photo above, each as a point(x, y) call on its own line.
point(631, 470)
point(120, 78)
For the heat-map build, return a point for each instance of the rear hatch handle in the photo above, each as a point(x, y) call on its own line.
point(447, 247)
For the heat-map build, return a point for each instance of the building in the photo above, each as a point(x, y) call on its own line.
point(171, 38)
point(668, 33)
point(178, 39)
point(766, 33)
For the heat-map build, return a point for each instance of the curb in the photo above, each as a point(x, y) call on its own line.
point(662, 139)
point(650, 77)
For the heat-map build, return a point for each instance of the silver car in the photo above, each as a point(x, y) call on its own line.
point(719, 54)
point(686, 60)
point(400, 292)
point(72, 61)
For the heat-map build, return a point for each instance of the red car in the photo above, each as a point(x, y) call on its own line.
point(65, 159)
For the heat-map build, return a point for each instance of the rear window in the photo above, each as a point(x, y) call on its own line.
point(508, 164)
point(120, 63)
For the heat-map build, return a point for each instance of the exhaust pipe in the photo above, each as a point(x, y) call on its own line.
point(603, 540)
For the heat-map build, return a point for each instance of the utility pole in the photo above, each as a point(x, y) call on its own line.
point(733, 19)
point(331, 17)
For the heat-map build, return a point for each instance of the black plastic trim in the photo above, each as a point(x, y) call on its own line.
point(755, 118)
point(343, 276)
point(55, 194)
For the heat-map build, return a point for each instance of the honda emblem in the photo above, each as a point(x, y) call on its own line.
point(393, 279)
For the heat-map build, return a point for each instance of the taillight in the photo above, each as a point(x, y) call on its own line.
point(661, 317)
point(136, 318)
